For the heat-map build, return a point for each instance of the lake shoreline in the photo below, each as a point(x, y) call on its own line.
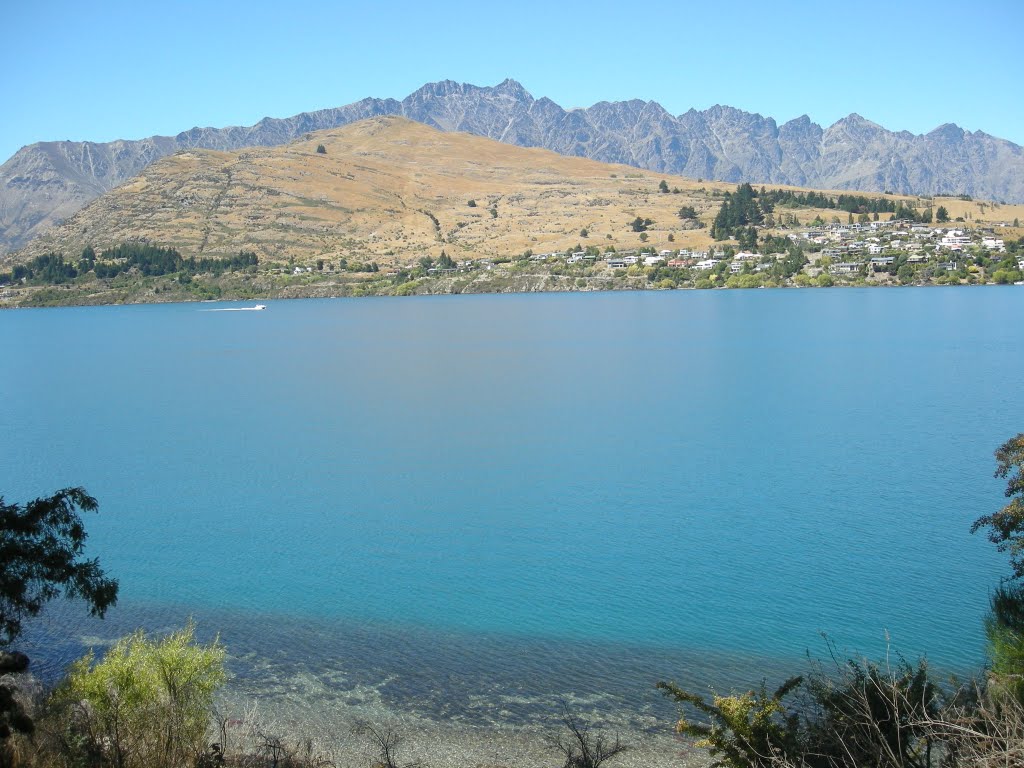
point(160, 291)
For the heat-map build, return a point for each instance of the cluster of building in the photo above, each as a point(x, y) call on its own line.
point(876, 245)
point(852, 248)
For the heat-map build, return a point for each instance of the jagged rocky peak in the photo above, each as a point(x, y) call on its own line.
point(801, 127)
point(856, 125)
point(948, 132)
point(514, 89)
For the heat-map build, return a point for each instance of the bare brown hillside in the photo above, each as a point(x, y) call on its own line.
point(386, 189)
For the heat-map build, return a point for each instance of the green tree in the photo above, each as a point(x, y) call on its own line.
point(321, 149)
point(1004, 626)
point(941, 214)
point(147, 703)
point(471, 203)
point(663, 186)
point(1006, 527)
point(41, 548)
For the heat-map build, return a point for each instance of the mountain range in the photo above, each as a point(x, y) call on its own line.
point(45, 183)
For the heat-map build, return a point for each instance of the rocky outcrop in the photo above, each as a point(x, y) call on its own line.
point(44, 183)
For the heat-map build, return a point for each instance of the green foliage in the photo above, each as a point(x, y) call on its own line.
point(748, 280)
point(747, 238)
point(849, 203)
point(748, 730)
point(1004, 631)
point(41, 546)
point(147, 703)
point(1006, 527)
point(471, 203)
point(941, 214)
point(321, 149)
point(1006, 276)
point(640, 225)
point(445, 261)
point(872, 715)
point(48, 269)
point(663, 187)
point(861, 714)
point(1004, 626)
point(739, 210)
point(153, 260)
point(825, 280)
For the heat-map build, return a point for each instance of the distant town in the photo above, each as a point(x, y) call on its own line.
point(896, 251)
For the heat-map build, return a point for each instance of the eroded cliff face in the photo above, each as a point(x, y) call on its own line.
point(45, 183)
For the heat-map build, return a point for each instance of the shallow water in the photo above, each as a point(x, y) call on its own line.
point(467, 508)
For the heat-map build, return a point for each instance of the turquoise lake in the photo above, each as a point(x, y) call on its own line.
point(528, 496)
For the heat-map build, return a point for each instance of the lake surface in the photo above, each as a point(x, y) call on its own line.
point(472, 506)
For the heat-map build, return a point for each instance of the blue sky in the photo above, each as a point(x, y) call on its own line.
point(105, 70)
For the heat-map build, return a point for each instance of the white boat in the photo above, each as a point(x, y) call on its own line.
point(259, 306)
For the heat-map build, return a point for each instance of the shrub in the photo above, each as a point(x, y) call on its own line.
point(747, 730)
point(146, 704)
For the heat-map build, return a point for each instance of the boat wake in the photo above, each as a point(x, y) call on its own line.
point(257, 308)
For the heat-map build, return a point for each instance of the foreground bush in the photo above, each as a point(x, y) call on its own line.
point(146, 704)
